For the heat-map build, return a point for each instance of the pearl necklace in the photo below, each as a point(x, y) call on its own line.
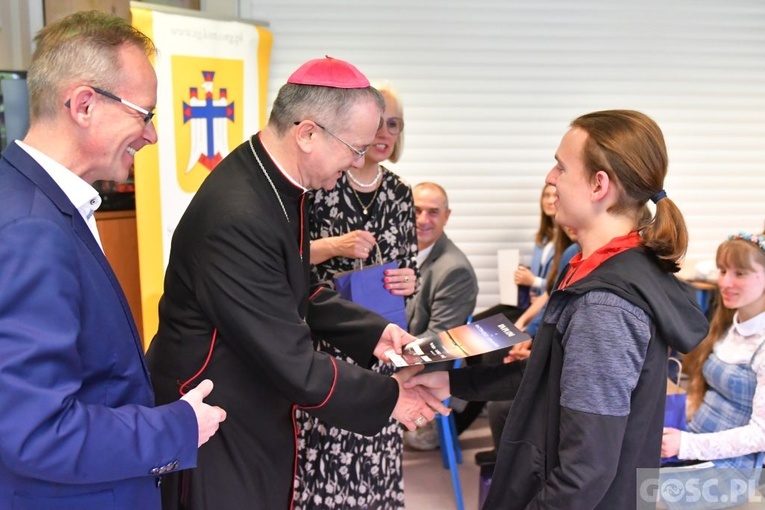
point(364, 185)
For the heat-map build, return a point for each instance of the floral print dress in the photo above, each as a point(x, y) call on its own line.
point(337, 468)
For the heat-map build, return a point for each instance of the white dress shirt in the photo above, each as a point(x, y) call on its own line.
point(82, 195)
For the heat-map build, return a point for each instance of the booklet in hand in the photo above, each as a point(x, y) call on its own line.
point(479, 337)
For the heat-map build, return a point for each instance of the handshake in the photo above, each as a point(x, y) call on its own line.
point(420, 396)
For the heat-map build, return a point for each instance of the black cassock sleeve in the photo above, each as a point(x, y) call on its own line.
point(345, 325)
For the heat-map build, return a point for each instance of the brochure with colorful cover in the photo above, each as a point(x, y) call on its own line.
point(479, 337)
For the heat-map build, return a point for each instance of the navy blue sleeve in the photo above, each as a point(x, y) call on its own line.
point(605, 343)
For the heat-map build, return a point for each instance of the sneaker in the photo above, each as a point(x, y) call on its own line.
point(486, 457)
point(424, 438)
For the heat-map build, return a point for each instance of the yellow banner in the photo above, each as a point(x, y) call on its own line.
point(213, 82)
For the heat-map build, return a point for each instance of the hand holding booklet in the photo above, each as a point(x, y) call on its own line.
point(479, 337)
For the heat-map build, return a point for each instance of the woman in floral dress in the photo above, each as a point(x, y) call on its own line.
point(369, 205)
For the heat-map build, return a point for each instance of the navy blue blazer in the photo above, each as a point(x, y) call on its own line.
point(78, 429)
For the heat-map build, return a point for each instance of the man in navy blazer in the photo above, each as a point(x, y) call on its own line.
point(78, 426)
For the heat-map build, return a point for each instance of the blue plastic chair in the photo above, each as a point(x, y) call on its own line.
point(451, 453)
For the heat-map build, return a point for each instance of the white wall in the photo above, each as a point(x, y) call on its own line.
point(489, 87)
point(19, 21)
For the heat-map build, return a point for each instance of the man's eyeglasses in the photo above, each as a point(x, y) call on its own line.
point(394, 125)
point(148, 115)
point(358, 154)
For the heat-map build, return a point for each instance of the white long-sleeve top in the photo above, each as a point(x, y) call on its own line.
point(739, 344)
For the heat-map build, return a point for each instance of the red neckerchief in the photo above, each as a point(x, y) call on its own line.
point(579, 268)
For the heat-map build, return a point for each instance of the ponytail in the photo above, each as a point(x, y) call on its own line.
point(667, 236)
point(629, 146)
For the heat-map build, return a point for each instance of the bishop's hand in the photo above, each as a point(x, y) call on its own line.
point(416, 405)
point(393, 337)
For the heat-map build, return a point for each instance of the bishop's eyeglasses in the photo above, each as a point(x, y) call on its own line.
point(358, 154)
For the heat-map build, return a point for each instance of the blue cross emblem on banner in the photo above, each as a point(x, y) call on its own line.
point(209, 127)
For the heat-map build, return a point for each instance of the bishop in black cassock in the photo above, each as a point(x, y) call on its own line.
point(239, 309)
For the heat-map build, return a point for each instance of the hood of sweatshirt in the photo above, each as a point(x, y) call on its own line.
point(635, 276)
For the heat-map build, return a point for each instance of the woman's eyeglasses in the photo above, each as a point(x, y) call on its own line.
point(394, 125)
